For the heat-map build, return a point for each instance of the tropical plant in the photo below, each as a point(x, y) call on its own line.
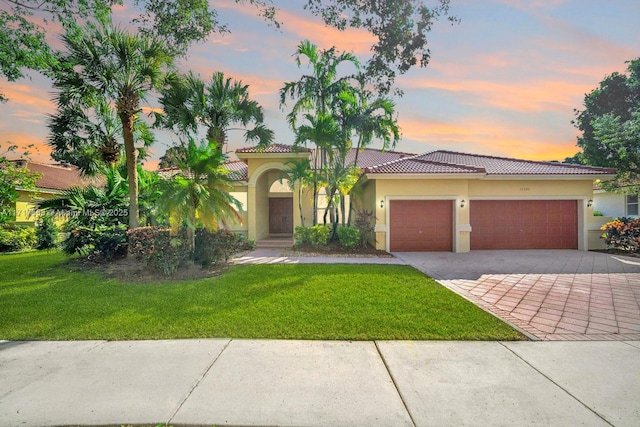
point(46, 233)
point(92, 206)
point(102, 63)
point(199, 192)
point(217, 105)
point(299, 175)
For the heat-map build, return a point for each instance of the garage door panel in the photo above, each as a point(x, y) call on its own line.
point(421, 225)
point(524, 224)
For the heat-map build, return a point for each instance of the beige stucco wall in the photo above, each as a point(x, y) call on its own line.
point(469, 189)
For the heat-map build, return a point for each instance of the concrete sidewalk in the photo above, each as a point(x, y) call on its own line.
point(319, 383)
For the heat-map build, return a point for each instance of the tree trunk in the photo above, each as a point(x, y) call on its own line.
point(132, 172)
point(300, 205)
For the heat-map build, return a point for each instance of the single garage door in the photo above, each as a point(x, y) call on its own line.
point(421, 225)
point(524, 224)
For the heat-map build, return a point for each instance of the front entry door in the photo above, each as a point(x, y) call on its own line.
point(281, 216)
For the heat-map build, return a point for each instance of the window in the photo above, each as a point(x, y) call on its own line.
point(632, 205)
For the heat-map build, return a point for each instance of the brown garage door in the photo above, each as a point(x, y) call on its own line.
point(524, 224)
point(421, 225)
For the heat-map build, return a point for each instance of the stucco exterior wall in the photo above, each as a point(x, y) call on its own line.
point(610, 204)
point(458, 190)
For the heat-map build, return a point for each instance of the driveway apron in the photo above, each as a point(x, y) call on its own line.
point(550, 294)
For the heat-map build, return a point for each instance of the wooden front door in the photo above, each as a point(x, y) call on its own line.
point(281, 216)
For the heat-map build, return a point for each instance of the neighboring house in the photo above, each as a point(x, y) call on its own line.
point(436, 201)
point(54, 179)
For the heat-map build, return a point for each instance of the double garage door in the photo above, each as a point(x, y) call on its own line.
point(427, 225)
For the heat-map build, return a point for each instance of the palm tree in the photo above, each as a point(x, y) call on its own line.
point(104, 63)
point(199, 192)
point(316, 94)
point(298, 172)
point(217, 105)
point(322, 130)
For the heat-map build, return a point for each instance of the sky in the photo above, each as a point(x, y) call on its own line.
point(503, 82)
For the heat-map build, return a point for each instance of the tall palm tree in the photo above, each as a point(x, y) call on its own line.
point(316, 94)
point(102, 62)
point(218, 105)
point(298, 173)
point(199, 192)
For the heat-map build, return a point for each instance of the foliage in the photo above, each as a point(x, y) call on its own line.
point(103, 64)
point(319, 235)
point(46, 233)
point(188, 103)
point(13, 174)
point(298, 175)
point(301, 236)
point(92, 206)
point(597, 213)
point(45, 297)
point(610, 125)
point(365, 223)
point(162, 249)
point(199, 193)
point(622, 234)
point(218, 246)
point(16, 238)
point(349, 237)
point(102, 241)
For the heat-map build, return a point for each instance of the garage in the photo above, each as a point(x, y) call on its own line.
point(421, 225)
point(524, 224)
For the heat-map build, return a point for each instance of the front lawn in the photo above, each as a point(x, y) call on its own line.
point(44, 297)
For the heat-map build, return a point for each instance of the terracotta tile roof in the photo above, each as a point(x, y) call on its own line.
point(273, 148)
point(57, 177)
point(451, 162)
point(507, 166)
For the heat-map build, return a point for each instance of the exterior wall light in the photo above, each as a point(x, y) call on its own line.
point(590, 203)
point(381, 203)
point(462, 203)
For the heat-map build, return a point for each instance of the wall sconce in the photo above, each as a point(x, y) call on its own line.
point(590, 203)
point(381, 203)
point(462, 203)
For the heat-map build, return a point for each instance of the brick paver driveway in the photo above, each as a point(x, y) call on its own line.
point(552, 295)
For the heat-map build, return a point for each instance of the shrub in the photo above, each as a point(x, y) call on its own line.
point(301, 236)
point(17, 238)
point(364, 222)
point(217, 246)
point(46, 233)
point(319, 235)
point(161, 250)
point(106, 241)
point(622, 234)
point(349, 237)
point(597, 213)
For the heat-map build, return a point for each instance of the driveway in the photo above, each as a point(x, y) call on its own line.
point(550, 295)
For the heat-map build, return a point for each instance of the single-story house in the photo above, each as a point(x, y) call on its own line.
point(436, 201)
point(52, 181)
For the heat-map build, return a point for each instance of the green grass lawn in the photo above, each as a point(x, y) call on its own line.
point(43, 297)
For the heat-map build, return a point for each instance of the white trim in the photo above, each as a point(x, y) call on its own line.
point(559, 177)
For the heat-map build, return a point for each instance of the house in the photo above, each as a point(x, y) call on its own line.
point(436, 201)
point(52, 181)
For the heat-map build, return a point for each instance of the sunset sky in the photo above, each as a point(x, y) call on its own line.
point(504, 81)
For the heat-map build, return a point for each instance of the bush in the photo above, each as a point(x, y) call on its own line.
point(301, 236)
point(349, 237)
point(319, 235)
point(107, 242)
point(622, 234)
point(161, 250)
point(364, 222)
point(17, 238)
point(597, 213)
point(212, 247)
point(46, 233)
